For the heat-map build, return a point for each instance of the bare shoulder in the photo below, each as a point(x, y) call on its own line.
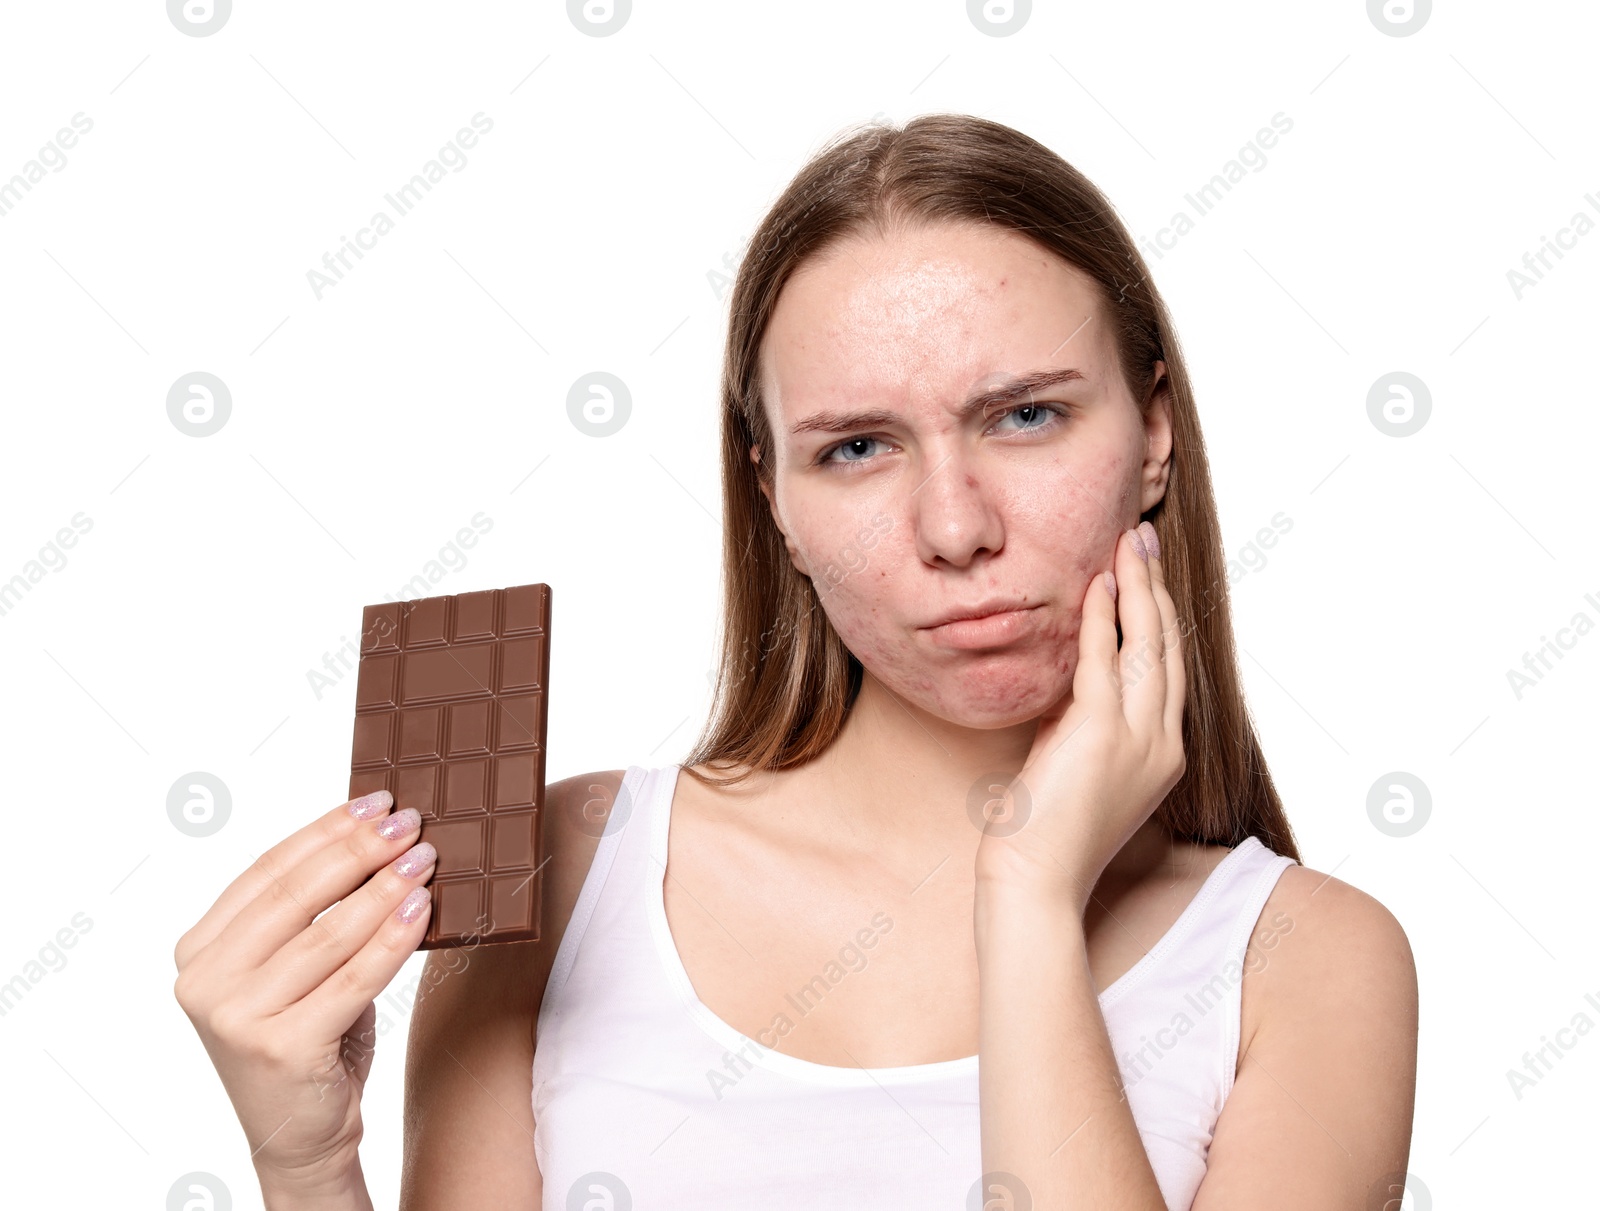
point(1323, 949)
point(1339, 923)
point(1320, 1113)
point(469, 1052)
point(575, 813)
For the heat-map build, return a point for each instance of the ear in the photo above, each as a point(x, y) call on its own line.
point(1157, 470)
point(772, 504)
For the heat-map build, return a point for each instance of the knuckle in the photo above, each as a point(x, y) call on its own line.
point(183, 991)
point(350, 981)
point(320, 938)
point(279, 895)
point(271, 863)
point(273, 1048)
point(360, 846)
point(233, 1025)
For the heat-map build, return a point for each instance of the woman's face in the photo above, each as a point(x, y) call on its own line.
point(903, 507)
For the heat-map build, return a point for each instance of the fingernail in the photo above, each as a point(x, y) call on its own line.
point(412, 906)
point(401, 823)
point(1151, 542)
point(1138, 545)
point(1111, 585)
point(416, 859)
point(371, 805)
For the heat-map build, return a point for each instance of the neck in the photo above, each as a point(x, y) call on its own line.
point(885, 732)
point(901, 778)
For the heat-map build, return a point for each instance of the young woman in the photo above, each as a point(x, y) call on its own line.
point(975, 891)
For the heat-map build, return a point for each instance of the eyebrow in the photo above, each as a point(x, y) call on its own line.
point(1013, 390)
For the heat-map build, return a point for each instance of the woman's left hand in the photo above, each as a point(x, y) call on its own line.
point(1102, 761)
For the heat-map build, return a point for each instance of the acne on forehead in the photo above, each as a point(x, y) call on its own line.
point(938, 271)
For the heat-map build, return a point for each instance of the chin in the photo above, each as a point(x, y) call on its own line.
point(995, 698)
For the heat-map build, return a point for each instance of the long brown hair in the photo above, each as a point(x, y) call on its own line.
point(785, 681)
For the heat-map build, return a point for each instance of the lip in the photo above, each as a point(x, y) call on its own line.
point(983, 609)
point(993, 629)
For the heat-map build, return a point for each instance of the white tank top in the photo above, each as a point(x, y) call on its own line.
point(643, 1098)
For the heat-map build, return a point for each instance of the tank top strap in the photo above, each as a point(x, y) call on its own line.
point(1239, 923)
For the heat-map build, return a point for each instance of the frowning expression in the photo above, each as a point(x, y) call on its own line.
point(953, 433)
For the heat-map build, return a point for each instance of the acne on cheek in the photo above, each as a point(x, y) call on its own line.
point(1070, 522)
point(856, 617)
point(1095, 513)
point(1080, 536)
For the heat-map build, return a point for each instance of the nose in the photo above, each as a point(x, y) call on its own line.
point(955, 517)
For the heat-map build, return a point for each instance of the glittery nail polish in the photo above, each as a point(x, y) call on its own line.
point(412, 906)
point(368, 806)
point(1151, 542)
point(1137, 543)
point(407, 820)
point(415, 860)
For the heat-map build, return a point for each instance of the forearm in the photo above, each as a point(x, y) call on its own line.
point(1050, 1099)
point(346, 1191)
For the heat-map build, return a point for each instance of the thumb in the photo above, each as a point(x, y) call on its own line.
point(361, 1042)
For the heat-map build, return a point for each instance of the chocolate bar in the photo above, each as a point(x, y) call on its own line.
point(451, 706)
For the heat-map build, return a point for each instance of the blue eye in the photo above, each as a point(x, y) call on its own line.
point(1037, 409)
point(854, 441)
point(1040, 412)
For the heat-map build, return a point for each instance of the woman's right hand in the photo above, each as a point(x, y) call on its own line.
point(285, 1000)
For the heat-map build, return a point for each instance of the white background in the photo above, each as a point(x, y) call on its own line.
point(430, 385)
